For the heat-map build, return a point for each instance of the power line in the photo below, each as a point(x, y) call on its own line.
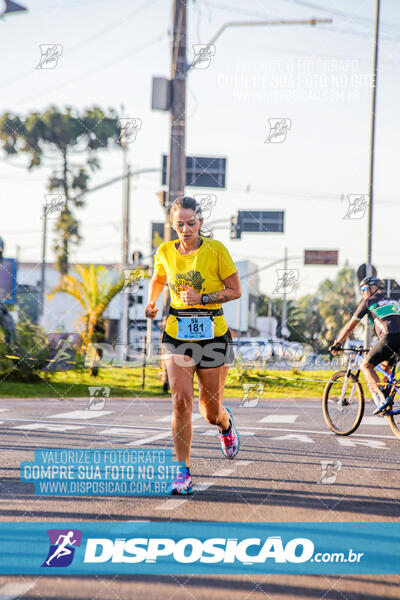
point(102, 67)
point(100, 33)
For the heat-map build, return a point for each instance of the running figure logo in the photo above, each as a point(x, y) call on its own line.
point(287, 279)
point(50, 53)
point(358, 204)
point(203, 54)
point(61, 551)
point(55, 204)
point(251, 394)
point(329, 471)
point(129, 128)
point(278, 129)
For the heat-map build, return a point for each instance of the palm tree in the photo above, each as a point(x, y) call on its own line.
point(94, 290)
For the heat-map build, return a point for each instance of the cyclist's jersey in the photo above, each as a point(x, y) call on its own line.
point(383, 314)
point(204, 271)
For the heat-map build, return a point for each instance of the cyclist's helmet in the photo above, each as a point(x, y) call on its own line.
point(370, 281)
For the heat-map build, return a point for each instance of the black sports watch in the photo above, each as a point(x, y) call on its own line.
point(205, 298)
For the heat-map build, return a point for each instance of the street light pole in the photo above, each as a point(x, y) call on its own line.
point(43, 265)
point(367, 333)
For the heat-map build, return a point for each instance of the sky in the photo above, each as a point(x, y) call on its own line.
point(318, 78)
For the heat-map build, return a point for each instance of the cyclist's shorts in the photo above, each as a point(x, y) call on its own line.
point(206, 354)
point(387, 348)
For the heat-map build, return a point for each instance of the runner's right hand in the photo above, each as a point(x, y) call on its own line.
point(150, 311)
point(335, 348)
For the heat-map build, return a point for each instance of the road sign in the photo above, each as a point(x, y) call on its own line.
point(261, 221)
point(362, 271)
point(8, 281)
point(321, 257)
point(201, 171)
point(392, 289)
point(8, 6)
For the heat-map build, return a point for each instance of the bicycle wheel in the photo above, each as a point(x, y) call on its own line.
point(343, 403)
point(394, 420)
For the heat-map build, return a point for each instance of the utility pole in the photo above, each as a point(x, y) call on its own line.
point(367, 333)
point(176, 168)
point(176, 173)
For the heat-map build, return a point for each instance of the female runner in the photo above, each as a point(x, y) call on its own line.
point(201, 276)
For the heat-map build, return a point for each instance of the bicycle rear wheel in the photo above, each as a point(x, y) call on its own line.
point(343, 403)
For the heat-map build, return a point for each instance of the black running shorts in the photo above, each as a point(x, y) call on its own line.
point(206, 354)
point(387, 348)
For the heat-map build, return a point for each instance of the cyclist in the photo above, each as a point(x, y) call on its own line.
point(384, 315)
point(201, 275)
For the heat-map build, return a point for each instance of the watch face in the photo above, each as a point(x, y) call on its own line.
point(205, 298)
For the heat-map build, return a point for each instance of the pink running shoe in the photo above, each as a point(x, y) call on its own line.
point(183, 483)
point(230, 442)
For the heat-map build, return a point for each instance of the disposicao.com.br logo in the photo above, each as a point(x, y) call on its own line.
point(62, 547)
point(190, 550)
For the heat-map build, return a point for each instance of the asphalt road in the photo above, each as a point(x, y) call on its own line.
point(280, 475)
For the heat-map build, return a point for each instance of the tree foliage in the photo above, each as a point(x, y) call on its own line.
point(317, 318)
point(94, 290)
point(63, 134)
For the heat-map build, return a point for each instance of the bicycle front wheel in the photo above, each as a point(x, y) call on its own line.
point(394, 421)
point(343, 403)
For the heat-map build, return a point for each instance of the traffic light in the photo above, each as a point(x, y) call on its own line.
point(236, 229)
point(137, 257)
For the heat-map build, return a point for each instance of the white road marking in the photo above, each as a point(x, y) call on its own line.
point(373, 421)
point(49, 427)
point(279, 419)
point(12, 590)
point(122, 431)
point(370, 443)
point(214, 432)
point(153, 438)
point(298, 437)
point(82, 414)
point(200, 487)
point(171, 504)
point(318, 432)
point(4, 409)
point(243, 463)
point(167, 419)
point(223, 472)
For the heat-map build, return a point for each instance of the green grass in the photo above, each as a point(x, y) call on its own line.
point(128, 383)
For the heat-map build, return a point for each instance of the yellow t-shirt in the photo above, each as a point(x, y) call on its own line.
point(204, 271)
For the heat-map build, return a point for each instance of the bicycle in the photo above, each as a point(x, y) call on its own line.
point(343, 398)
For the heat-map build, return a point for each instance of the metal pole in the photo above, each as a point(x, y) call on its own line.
point(43, 266)
point(284, 305)
point(125, 250)
point(239, 321)
point(367, 335)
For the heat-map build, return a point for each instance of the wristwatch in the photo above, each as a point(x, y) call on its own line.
point(205, 298)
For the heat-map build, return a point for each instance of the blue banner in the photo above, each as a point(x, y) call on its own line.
point(199, 548)
point(101, 472)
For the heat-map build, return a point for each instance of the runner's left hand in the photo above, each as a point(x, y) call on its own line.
point(190, 297)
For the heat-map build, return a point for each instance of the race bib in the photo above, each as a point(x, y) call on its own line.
point(195, 328)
